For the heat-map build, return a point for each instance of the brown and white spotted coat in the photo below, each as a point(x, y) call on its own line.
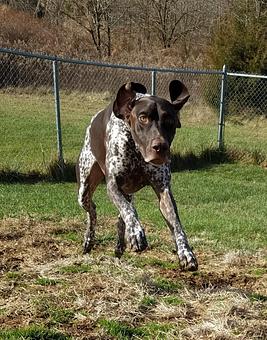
point(128, 143)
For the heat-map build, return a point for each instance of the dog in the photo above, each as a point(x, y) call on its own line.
point(128, 144)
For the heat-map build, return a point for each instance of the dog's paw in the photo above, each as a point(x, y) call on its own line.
point(88, 246)
point(137, 241)
point(188, 260)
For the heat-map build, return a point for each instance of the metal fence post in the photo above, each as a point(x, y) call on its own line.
point(153, 82)
point(222, 110)
point(58, 121)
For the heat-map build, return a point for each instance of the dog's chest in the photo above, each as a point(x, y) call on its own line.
point(125, 162)
point(122, 153)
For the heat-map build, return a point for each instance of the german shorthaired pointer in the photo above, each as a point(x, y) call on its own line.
point(128, 143)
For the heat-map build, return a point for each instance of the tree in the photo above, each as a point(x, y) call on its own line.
point(167, 18)
point(239, 42)
point(180, 25)
point(95, 17)
point(239, 39)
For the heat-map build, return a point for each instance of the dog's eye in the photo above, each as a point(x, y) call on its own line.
point(143, 119)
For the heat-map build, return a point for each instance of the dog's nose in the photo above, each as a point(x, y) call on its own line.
point(160, 146)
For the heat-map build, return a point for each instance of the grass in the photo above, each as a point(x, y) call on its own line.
point(173, 300)
point(76, 268)
point(28, 120)
point(32, 332)
point(148, 301)
point(31, 117)
point(224, 203)
point(46, 281)
point(121, 330)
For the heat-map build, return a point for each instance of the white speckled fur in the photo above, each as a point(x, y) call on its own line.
point(123, 162)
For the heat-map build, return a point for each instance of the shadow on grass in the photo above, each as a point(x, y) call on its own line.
point(205, 159)
point(190, 161)
point(54, 173)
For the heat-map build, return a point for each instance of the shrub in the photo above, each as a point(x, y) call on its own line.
point(238, 41)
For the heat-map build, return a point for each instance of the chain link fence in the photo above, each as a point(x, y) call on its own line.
point(246, 117)
point(246, 95)
point(47, 102)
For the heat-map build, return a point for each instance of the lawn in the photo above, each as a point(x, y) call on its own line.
point(49, 290)
point(29, 142)
point(28, 139)
point(222, 202)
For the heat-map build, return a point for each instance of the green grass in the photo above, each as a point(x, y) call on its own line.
point(13, 275)
point(32, 333)
point(30, 131)
point(30, 144)
point(258, 297)
point(148, 301)
point(47, 282)
point(173, 300)
point(226, 203)
point(75, 269)
point(164, 286)
point(52, 311)
point(68, 235)
point(121, 330)
point(61, 315)
point(247, 134)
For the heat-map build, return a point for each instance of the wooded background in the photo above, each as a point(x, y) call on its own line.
point(182, 33)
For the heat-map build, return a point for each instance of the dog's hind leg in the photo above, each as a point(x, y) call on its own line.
point(121, 243)
point(89, 176)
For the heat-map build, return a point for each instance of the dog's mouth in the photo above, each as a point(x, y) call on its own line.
point(157, 158)
point(157, 153)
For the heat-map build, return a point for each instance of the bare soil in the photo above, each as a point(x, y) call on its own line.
point(45, 280)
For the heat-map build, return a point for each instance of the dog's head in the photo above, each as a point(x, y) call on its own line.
point(152, 120)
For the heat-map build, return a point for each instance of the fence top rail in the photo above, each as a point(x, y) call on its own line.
point(96, 63)
point(127, 67)
point(246, 75)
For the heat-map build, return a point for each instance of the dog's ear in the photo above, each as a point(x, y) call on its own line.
point(179, 96)
point(122, 105)
point(178, 93)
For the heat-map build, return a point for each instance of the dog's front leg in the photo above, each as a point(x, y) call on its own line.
point(135, 234)
point(169, 211)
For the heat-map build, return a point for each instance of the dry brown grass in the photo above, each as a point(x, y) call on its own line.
point(46, 281)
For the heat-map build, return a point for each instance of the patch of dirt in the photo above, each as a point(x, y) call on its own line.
point(35, 290)
point(27, 242)
point(214, 275)
point(10, 263)
point(11, 235)
point(213, 280)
